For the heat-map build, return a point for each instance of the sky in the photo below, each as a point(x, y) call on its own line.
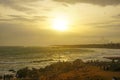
point(30, 22)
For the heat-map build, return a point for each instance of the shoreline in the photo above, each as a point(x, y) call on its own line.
point(76, 70)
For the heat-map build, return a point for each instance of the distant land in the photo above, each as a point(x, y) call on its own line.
point(108, 45)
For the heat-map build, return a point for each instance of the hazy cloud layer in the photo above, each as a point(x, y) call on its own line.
point(95, 2)
point(116, 16)
point(20, 5)
point(24, 18)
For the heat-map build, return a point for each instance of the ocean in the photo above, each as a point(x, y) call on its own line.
point(38, 57)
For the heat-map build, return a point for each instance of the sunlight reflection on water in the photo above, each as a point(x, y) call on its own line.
point(41, 58)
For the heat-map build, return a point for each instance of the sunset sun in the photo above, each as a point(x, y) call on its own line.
point(60, 24)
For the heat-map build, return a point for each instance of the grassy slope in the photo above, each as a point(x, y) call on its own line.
point(76, 70)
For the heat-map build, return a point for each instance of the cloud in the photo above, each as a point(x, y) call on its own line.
point(24, 18)
point(20, 5)
point(94, 2)
point(116, 16)
point(20, 34)
point(115, 23)
point(110, 26)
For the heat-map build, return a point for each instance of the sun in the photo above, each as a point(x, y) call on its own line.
point(60, 24)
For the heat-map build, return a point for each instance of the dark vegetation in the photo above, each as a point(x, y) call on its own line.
point(76, 70)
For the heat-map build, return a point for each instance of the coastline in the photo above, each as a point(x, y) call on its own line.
point(76, 70)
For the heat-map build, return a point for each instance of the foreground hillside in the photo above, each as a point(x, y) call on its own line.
point(77, 70)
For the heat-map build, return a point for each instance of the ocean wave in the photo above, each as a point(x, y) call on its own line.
point(3, 62)
point(39, 61)
point(24, 62)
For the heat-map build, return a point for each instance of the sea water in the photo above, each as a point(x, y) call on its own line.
point(37, 57)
